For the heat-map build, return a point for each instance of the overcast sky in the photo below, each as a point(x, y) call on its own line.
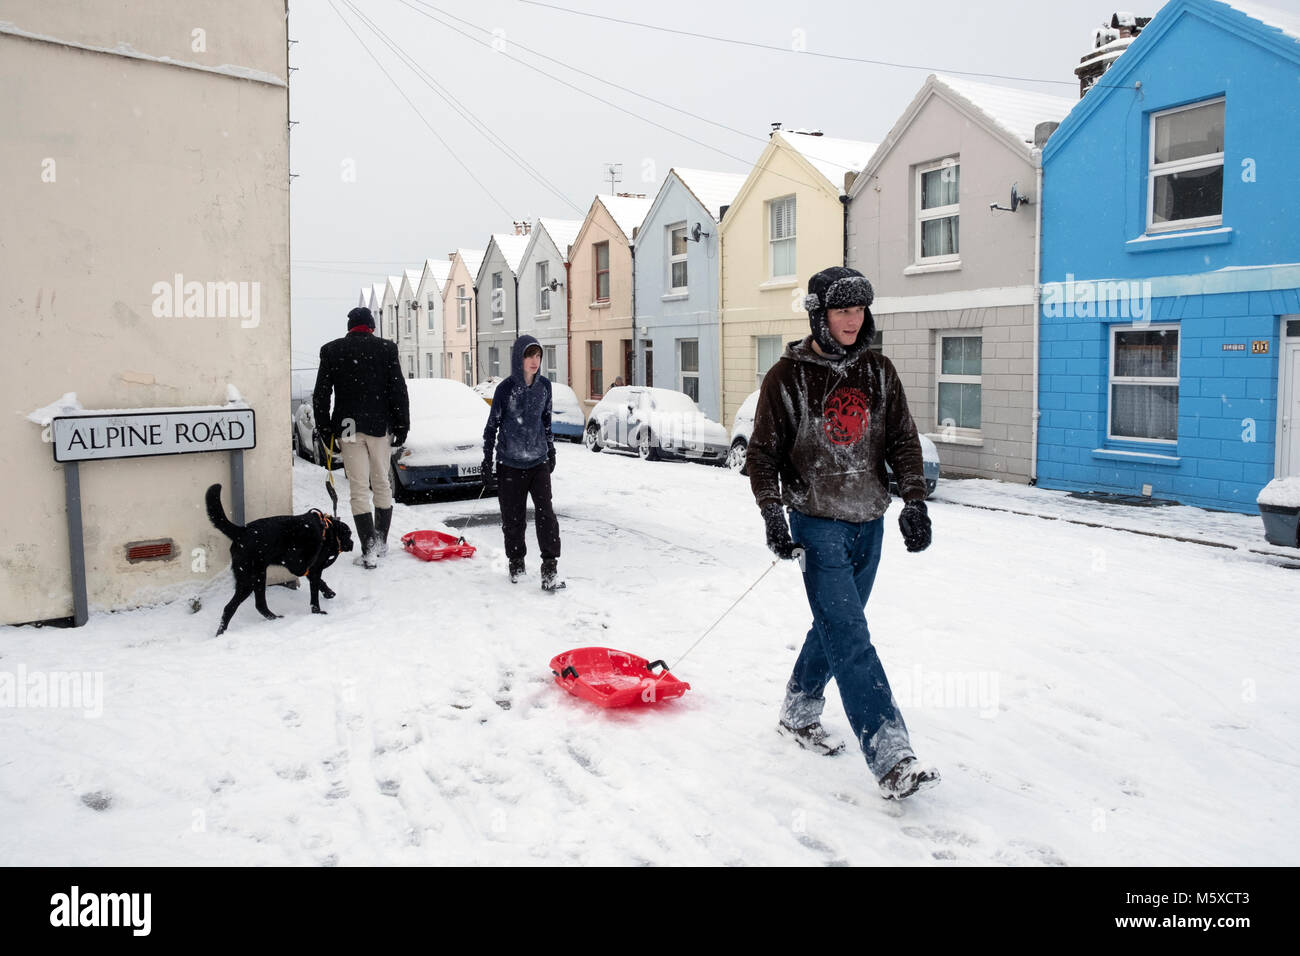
point(376, 191)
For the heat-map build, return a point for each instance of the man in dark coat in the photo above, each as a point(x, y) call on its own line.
point(525, 456)
point(370, 402)
point(831, 413)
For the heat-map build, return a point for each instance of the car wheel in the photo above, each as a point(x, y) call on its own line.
point(591, 437)
point(645, 446)
point(738, 456)
point(400, 494)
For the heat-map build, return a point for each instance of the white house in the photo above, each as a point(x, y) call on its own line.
point(497, 289)
point(544, 292)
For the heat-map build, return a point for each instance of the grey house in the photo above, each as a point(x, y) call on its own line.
point(497, 306)
point(954, 277)
point(544, 292)
point(677, 285)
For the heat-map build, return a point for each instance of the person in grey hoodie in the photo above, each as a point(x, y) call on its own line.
point(519, 429)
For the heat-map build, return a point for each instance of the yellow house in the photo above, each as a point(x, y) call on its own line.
point(458, 327)
point(601, 296)
point(786, 223)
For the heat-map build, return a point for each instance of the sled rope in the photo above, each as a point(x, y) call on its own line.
point(722, 615)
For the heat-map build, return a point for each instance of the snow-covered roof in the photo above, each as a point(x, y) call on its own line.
point(829, 156)
point(365, 296)
point(1284, 20)
point(413, 278)
point(473, 259)
point(440, 269)
point(377, 293)
point(563, 232)
point(1016, 111)
point(394, 286)
point(628, 212)
point(512, 248)
point(713, 190)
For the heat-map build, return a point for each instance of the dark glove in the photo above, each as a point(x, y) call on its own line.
point(778, 532)
point(915, 525)
point(399, 437)
point(326, 436)
point(489, 476)
point(550, 461)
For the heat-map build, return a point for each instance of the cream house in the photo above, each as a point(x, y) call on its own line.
point(430, 356)
point(786, 223)
point(458, 315)
point(602, 298)
point(145, 244)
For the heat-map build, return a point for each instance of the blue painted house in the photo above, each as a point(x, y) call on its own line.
point(1170, 309)
point(677, 286)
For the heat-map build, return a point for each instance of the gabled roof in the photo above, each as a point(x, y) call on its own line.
point(438, 270)
point(713, 190)
point(626, 211)
point(412, 277)
point(473, 259)
point(365, 296)
point(376, 294)
point(1009, 115)
point(829, 156)
point(512, 249)
point(394, 285)
point(563, 232)
point(1269, 28)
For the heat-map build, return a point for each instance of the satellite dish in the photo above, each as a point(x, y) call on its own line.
point(696, 232)
point(1017, 199)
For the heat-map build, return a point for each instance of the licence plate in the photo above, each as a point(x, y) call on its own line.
point(464, 470)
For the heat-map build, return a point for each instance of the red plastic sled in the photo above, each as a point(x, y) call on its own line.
point(611, 678)
point(435, 545)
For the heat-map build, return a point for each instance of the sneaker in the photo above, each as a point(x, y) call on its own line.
point(516, 571)
point(906, 778)
point(814, 737)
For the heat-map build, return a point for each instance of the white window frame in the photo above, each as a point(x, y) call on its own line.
point(758, 375)
point(428, 363)
point(550, 359)
point(1154, 172)
point(462, 307)
point(937, 212)
point(493, 362)
point(410, 366)
point(468, 373)
point(498, 282)
point(957, 431)
point(792, 237)
point(683, 374)
point(1112, 380)
point(673, 288)
point(543, 273)
point(429, 320)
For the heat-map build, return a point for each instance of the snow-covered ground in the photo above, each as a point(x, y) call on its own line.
point(1091, 697)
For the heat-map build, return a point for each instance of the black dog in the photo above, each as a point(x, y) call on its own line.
point(305, 544)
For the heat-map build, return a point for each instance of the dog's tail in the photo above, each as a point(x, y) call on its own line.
point(218, 514)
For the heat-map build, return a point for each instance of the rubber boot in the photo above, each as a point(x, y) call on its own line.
point(383, 518)
point(366, 532)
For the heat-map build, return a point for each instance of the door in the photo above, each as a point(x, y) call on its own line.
point(1289, 412)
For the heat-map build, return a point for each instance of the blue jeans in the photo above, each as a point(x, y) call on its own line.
point(840, 568)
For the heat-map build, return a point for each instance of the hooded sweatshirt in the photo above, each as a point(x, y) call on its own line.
point(823, 431)
point(522, 413)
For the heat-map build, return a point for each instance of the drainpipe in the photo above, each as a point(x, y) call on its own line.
point(568, 325)
point(517, 306)
point(1038, 293)
point(632, 248)
point(844, 252)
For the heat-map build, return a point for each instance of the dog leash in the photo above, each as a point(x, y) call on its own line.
point(329, 481)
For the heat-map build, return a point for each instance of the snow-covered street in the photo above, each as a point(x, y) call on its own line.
point(1091, 697)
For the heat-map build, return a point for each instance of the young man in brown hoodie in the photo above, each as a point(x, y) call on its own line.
point(831, 414)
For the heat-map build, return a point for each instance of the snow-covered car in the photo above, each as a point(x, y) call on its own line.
point(444, 448)
point(655, 422)
point(743, 427)
point(487, 388)
point(307, 440)
point(567, 420)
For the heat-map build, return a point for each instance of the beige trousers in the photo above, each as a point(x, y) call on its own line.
point(366, 462)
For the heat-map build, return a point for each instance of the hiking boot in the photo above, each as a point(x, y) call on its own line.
point(550, 576)
point(365, 524)
point(383, 518)
point(517, 571)
point(814, 737)
point(906, 778)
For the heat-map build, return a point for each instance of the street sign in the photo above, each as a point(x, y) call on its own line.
point(102, 435)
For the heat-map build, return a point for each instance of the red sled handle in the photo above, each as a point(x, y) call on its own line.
point(653, 664)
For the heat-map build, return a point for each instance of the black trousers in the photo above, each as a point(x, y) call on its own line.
point(514, 485)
